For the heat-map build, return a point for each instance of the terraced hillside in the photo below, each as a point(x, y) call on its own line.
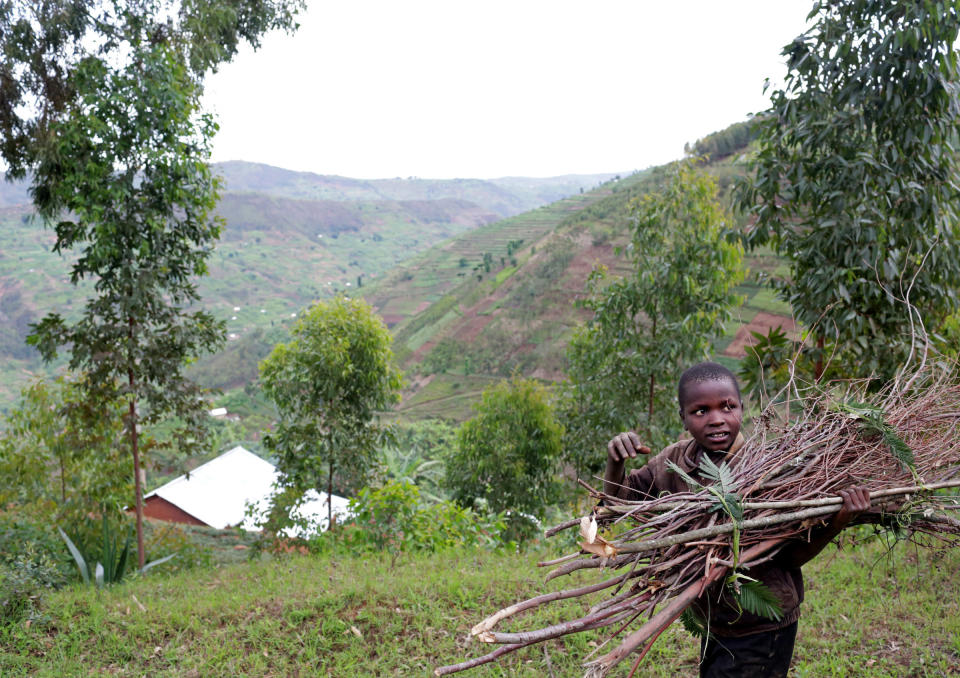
point(276, 256)
point(460, 323)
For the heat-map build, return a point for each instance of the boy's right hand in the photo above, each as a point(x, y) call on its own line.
point(625, 446)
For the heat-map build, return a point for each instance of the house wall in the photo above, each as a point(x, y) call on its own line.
point(159, 508)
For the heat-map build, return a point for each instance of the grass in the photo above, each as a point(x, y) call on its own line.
point(369, 616)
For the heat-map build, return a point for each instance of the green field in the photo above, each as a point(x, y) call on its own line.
point(866, 614)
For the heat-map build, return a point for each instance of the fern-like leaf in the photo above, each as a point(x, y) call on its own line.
point(756, 598)
point(694, 485)
point(693, 623)
point(872, 421)
point(721, 475)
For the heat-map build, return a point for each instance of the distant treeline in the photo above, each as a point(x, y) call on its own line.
point(726, 142)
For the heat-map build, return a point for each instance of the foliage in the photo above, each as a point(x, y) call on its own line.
point(393, 518)
point(748, 593)
point(757, 599)
point(766, 367)
point(102, 559)
point(329, 383)
point(648, 326)
point(719, 145)
point(417, 455)
point(164, 540)
point(507, 453)
point(408, 466)
point(24, 581)
point(447, 353)
point(60, 452)
point(855, 178)
point(873, 423)
point(101, 108)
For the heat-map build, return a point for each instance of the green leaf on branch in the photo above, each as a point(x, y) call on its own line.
point(873, 423)
point(754, 597)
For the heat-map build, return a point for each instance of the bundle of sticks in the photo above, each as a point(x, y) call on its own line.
point(903, 445)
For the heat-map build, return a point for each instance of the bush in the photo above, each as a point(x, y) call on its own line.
point(24, 581)
point(20, 534)
point(392, 518)
point(164, 539)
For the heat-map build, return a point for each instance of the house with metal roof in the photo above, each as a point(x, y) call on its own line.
point(218, 493)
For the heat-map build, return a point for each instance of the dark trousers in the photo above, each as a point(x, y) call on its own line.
point(759, 655)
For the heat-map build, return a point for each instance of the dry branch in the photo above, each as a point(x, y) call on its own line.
point(786, 479)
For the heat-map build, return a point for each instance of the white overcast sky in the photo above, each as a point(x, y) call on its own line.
point(491, 88)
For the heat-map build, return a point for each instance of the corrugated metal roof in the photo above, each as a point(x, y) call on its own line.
point(219, 492)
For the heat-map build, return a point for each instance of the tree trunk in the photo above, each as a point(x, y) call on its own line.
point(650, 409)
point(135, 449)
point(63, 480)
point(330, 497)
point(138, 488)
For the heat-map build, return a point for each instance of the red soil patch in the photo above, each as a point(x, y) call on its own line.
point(423, 306)
point(471, 328)
point(575, 277)
point(421, 352)
point(761, 323)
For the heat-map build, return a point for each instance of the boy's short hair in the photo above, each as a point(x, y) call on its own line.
point(701, 372)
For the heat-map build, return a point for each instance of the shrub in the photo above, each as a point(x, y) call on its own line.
point(24, 581)
point(392, 518)
point(20, 534)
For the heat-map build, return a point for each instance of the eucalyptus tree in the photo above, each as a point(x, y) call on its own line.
point(855, 182)
point(100, 110)
point(330, 383)
point(651, 323)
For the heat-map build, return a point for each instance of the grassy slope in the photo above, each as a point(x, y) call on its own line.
point(351, 616)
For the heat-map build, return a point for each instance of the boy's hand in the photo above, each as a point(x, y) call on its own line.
point(625, 446)
point(856, 500)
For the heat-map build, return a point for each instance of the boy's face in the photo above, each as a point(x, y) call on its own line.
point(712, 413)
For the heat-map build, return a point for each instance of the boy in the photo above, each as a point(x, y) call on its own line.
point(740, 644)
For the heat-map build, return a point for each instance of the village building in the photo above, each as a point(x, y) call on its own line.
point(218, 493)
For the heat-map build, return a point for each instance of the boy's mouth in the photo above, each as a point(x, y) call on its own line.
point(718, 436)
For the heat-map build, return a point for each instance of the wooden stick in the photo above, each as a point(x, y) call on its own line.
point(674, 609)
point(496, 617)
point(563, 628)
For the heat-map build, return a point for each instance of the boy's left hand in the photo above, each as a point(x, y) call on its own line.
point(856, 500)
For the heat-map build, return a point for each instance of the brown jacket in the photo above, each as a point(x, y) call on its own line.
point(717, 605)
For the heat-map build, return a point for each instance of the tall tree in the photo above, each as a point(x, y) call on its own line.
point(100, 107)
point(329, 383)
point(651, 324)
point(855, 177)
point(508, 453)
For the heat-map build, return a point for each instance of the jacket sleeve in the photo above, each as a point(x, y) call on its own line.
point(639, 484)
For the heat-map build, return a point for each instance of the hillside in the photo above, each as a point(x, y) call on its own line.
point(458, 326)
point(284, 246)
point(505, 197)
